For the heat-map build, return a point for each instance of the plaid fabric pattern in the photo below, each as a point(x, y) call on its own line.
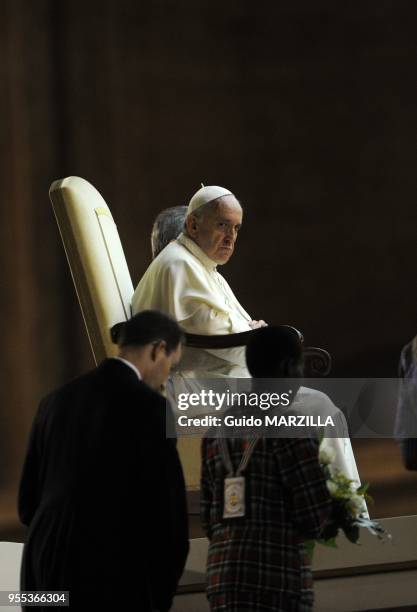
point(258, 602)
point(286, 500)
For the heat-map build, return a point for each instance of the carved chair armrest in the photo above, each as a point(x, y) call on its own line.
point(317, 361)
point(223, 341)
point(227, 340)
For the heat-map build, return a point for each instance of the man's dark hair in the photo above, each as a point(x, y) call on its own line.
point(167, 226)
point(147, 327)
point(273, 350)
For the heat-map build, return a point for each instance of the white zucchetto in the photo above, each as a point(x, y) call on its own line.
point(206, 195)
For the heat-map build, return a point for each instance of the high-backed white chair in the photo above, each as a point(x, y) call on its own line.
point(96, 259)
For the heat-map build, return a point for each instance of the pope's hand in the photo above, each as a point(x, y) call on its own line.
point(257, 324)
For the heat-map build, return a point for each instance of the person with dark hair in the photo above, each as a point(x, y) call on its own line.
point(167, 226)
point(148, 328)
point(275, 352)
point(102, 490)
point(260, 499)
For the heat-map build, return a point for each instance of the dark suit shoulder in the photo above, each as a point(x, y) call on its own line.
point(110, 394)
point(111, 373)
point(70, 386)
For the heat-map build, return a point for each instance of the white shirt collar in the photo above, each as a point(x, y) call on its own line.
point(130, 364)
point(193, 247)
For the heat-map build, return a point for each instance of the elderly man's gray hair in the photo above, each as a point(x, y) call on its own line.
point(167, 226)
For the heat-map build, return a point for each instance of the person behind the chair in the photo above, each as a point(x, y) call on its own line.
point(102, 490)
point(257, 560)
point(167, 226)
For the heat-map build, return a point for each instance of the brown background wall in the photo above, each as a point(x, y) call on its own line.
point(307, 110)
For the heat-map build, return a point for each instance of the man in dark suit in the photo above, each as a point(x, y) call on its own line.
point(102, 490)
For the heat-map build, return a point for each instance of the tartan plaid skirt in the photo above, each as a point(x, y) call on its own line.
point(256, 602)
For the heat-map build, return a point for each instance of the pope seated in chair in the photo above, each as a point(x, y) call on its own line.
point(184, 282)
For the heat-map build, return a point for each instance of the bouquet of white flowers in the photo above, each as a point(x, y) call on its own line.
point(348, 508)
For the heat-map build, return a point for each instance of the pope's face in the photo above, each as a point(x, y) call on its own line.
point(216, 232)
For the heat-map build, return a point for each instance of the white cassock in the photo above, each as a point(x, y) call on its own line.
point(184, 283)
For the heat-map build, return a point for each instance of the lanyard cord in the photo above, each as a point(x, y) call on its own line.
point(225, 455)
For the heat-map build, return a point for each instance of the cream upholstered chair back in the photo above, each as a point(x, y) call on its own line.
point(96, 259)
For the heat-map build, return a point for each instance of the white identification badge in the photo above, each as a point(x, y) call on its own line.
point(234, 497)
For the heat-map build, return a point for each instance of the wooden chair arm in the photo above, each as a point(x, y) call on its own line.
point(317, 361)
point(218, 342)
point(226, 340)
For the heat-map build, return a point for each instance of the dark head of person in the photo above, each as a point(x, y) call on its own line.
point(275, 353)
point(147, 327)
point(151, 340)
